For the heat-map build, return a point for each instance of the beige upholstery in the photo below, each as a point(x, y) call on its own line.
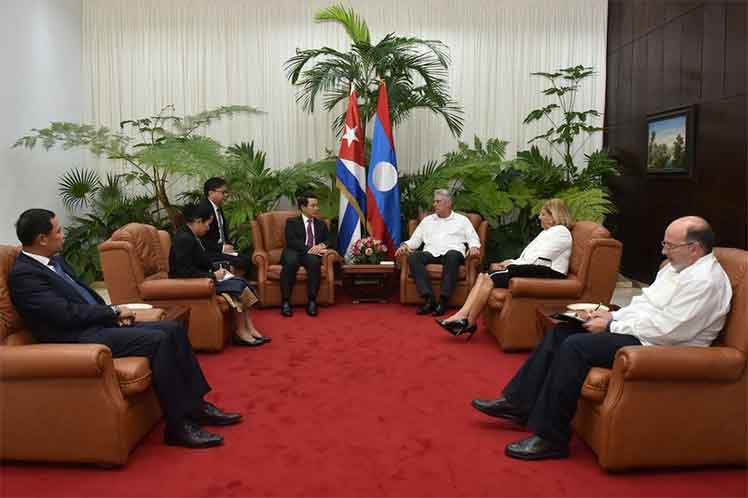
point(268, 236)
point(67, 402)
point(510, 314)
point(467, 272)
point(672, 406)
point(135, 263)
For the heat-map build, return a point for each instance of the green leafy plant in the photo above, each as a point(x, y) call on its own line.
point(154, 150)
point(108, 208)
point(415, 71)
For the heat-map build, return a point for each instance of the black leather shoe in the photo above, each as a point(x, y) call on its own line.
point(439, 309)
point(311, 308)
point(190, 435)
point(427, 308)
point(536, 448)
point(210, 414)
point(238, 341)
point(286, 309)
point(500, 408)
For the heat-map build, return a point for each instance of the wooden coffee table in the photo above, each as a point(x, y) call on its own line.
point(369, 283)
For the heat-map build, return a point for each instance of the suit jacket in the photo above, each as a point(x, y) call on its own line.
point(210, 239)
point(187, 258)
point(296, 233)
point(51, 307)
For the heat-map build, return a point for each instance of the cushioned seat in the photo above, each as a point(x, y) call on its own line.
point(135, 263)
point(510, 314)
point(672, 406)
point(68, 402)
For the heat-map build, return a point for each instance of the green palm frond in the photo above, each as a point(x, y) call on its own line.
point(591, 204)
point(354, 25)
point(78, 187)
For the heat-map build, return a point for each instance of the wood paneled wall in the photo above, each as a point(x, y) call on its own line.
point(665, 54)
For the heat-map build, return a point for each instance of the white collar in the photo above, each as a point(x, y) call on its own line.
point(305, 219)
point(215, 207)
point(38, 257)
point(446, 218)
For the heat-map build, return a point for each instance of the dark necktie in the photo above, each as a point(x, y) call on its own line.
point(78, 287)
point(309, 234)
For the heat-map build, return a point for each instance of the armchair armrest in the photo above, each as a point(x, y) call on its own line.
point(471, 267)
point(176, 288)
point(37, 361)
point(545, 288)
point(151, 315)
point(261, 260)
point(679, 363)
point(331, 257)
point(402, 262)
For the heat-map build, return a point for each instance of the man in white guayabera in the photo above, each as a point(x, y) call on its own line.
point(446, 237)
point(685, 306)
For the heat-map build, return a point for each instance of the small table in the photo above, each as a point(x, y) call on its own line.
point(369, 283)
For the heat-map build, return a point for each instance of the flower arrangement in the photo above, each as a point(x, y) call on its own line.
point(368, 251)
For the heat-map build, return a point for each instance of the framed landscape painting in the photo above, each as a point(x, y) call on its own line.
point(670, 142)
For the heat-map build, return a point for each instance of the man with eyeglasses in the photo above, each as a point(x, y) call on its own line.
point(216, 241)
point(686, 305)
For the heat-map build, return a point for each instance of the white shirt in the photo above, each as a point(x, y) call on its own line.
point(42, 259)
point(686, 308)
point(219, 220)
point(553, 244)
point(306, 224)
point(439, 235)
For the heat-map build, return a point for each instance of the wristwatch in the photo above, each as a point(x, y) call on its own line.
point(117, 310)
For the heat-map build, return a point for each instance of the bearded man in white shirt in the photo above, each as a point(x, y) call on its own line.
point(445, 236)
point(685, 306)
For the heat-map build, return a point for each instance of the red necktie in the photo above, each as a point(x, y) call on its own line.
point(309, 234)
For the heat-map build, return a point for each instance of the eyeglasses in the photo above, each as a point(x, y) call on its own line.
point(224, 192)
point(670, 246)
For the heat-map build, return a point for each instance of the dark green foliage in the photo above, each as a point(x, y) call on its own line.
point(415, 71)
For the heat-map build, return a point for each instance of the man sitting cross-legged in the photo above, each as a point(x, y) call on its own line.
point(59, 308)
point(685, 306)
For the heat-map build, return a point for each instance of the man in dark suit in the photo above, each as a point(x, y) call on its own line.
point(216, 241)
point(59, 308)
point(307, 239)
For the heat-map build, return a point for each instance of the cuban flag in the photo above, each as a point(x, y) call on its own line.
point(383, 192)
point(351, 179)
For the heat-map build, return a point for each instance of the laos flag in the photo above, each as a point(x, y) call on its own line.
point(351, 179)
point(383, 190)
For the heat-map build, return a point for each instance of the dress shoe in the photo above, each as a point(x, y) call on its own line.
point(458, 327)
point(264, 338)
point(286, 309)
point(500, 408)
point(311, 308)
point(190, 435)
point(427, 308)
point(439, 309)
point(210, 414)
point(239, 341)
point(536, 448)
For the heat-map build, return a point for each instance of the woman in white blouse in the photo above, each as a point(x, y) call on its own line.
point(547, 256)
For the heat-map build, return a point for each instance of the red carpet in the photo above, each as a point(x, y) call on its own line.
point(364, 400)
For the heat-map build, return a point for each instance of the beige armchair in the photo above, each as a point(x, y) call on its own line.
point(68, 402)
point(593, 271)
point(135, 263)
point(674, 406)
point(465, 278)
point(268, 237)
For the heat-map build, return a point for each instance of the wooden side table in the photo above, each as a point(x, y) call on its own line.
point(369, 283)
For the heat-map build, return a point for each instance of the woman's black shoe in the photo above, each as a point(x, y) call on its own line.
point(458, 327)
point(238, 341)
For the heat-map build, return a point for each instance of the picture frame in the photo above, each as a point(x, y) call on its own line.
point(670, 142)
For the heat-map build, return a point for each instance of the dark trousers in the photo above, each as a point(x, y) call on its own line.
point(450, 262)
point(291, 261)
point(547, 387)
point(501, 278)
point(177, 377)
